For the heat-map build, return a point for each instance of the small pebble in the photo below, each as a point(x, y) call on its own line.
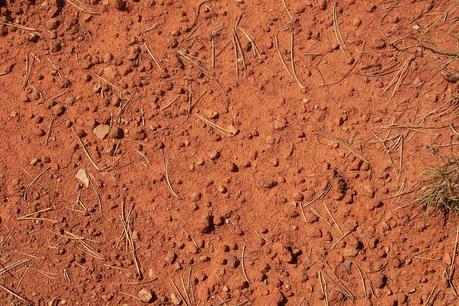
point(145, 295)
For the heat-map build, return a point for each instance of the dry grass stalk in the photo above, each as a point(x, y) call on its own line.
point(399, 77)
point(86, 151)
point(338, 35)
point(292, 59)
point(323, 286)
point(33, 216)
point(16, 295)
point(167, 179)
point(320, 196)
point(127, 229)
point(152, 56)
point(26, 192)
point(249, 38)
point(86, 247)
point(276, 45)
point(80, 6)
point(286, 8)
point(13, 265)
point(243, 266)
point(340, 239)
point(192, 60)
point(170, 103)
point(340, 286)
point(345, 145)
point(18, 26)
point(217, 127)
point(363, 282)
point(177, 291)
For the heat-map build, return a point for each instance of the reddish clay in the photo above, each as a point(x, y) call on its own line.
point(200, 157)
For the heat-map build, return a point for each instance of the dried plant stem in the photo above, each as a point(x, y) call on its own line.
point(213, 125)
point(243, 265)
point(18, 26)
point(127, 229)
point(323, 286)
point(15, 294)
point(152, 56)
point(166, 178)
point(292, 58)
point(86, 151)
point(286, 8)
point(81, 7)
point(338, 36)
point(276, 45)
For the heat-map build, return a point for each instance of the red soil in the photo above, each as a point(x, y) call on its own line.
point(302, 191)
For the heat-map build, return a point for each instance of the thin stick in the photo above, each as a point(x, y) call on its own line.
point(399, 76)
point(249, 38)
point(363, 281)
point(213, 52)
point(184, 289)
point(170, 103)
point(315, 212)
point(144, 156)
point(55, 68)
point(213, 125)
point(14, 294)
point(302, 212)
point(152, 56)
point(86, 151)
point(48, 134)
point(83, 8)
point(22, 276)
point(340, 285)
point(338, 36)
point(35, 180)
point(224, 48)
point(292, 57)
point(99, 201)
point(323, 286)
point(343, 143)
point(339, 239)
point(179, 293)
point(13, 265)
point(334, 221)
point(449, 271)
point(128, 236)
point(239, 49)
point(189, 58)
point(276, 45)
point(151, 28)
point(57, 96)
point(320, 196)
point(66, 276)
point(349, 71)
point(190, 288)
point(166, 178)
point(130, 295)
point(427, 302)
point(236, 58)
point(35, 213)
point(243, 266)
point(197, 100)
point(109, 83)
point(19, 26)
point(286, 8)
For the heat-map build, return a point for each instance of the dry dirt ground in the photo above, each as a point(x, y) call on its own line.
point(225, 152)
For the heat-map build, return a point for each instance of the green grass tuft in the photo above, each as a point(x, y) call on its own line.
point(440, 189)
